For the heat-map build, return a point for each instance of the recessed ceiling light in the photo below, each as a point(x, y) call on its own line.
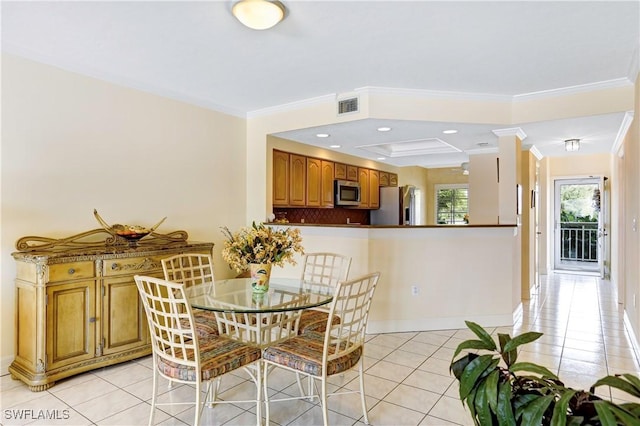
point(483, 143)
point(322, 135)
point(384, 129)
point(334, 146)
point(382, 158)
point(450, 132)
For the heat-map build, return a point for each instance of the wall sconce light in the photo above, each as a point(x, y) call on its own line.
point(258, 14)
point(571, 145)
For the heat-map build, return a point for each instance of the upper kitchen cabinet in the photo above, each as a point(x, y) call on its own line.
point(340, 171)
point(319, 183)
point(384, 179)
point(280, 178)
point(393, 179)
point(327, 183)
point(374, 189)
point(352, 173)
point(298, 180)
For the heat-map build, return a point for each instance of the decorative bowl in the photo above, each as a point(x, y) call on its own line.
point(129, 232)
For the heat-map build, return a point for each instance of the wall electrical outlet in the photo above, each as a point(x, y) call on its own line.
point(414, 290)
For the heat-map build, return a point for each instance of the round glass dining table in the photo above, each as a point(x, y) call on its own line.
point(237, 295)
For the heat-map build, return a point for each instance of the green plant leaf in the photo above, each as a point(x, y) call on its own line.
point(482, 334)
point(532, 368)
point(534, 411)
point(508, 357)
point(483, 413)
point(521, 340)
point(458, 366)
point(559, 417)
point(521, 401)
point(635, 381)
point(605, 415)
point(505, 411)
point(472, 344)
point(492, 390)
point(618, 383)
point(472, 372)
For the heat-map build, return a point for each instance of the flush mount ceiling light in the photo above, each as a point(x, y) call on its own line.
point(571, 145)
point(334, 146)
point(322, 135)
point(384, 129)
point(258, 14)
point(449, 132)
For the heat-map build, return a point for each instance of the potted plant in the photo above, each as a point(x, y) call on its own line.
point(524, 393)
point(257, 248)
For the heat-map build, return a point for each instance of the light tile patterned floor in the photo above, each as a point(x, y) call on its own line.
point(407, 378)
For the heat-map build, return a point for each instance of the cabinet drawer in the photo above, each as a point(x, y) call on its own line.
point(133, 265)
point(71, 271)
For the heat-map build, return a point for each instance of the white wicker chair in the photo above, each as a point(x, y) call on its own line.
point(321, 270)
point(338, 349)
point(180, 354)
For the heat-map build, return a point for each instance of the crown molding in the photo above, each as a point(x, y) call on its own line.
point(571, 90)
point(512, 131)
point(293, 106)
point(622, 131)
point(433, 94)
point(535, 151)
point(478, 151)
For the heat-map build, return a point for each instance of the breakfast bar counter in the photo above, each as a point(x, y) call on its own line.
point(432, 277)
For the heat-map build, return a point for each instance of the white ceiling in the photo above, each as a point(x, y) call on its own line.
point(199, 53)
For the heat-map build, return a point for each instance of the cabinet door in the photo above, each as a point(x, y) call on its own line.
point(71, 323)
point(314, 182)
point(363, 178)
point(327, 183)
point(384, 179)
point(124, 322)
point(374, 189)
point(297, 180)
point(352, 173)
point(393, 179)
point(340, 171)
point(280, 178)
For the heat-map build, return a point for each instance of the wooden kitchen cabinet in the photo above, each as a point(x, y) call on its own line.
point(77, 304)
point(384, 179)
point(340, 171)
point(363, 179)
point(297, 180)
point(327, 183)
point(393, 179)
point(314, 182)
point(352, 173)
point(374, 189)
point(280, 178)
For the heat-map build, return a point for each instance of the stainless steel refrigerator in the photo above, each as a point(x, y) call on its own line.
point(397, 206)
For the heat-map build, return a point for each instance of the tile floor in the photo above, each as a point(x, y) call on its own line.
point(407, 376)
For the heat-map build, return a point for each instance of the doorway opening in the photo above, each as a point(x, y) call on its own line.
point(578, 230)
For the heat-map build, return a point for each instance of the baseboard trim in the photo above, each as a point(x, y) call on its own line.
point(431, 324)
point(5, 362)
point(629, 329)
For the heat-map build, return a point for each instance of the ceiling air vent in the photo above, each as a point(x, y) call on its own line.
point(346, 106)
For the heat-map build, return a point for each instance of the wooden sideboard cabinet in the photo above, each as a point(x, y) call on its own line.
point(77, 304)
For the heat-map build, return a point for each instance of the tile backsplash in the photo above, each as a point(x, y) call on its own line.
point(324, 216)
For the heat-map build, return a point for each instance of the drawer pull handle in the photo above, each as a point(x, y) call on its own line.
point(92, 319)
point(72, 271)
point(114, 266)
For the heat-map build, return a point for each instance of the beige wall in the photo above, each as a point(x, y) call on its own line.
point(631, 248)
point(72, 143)
point(483, 189)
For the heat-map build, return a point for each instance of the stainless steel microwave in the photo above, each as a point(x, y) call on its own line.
point(347, 193)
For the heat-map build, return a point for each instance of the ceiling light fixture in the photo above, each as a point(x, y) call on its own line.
point(571, 145)
point(465, 168)
point(258, 14)
point(384, 129)
point(334, 146)
point(382, 158)
point(322, 135)
point(449, 132)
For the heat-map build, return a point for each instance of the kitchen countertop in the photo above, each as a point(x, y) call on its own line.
point(354, 225)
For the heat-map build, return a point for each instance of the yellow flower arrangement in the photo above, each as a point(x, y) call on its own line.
point(260, 244)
